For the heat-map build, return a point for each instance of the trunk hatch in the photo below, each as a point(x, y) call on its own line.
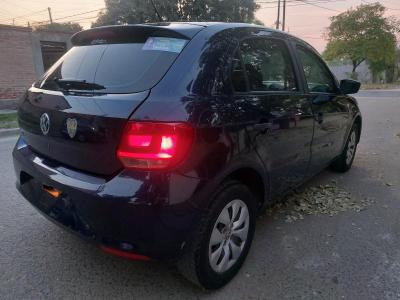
point(87, 96)
point(90, 147)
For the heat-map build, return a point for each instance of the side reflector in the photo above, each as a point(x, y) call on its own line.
point(124, 254)
point(52, 191)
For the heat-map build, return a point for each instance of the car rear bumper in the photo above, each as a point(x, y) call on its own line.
point(144, 213)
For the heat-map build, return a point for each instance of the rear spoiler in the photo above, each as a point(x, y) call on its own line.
point(134, 33)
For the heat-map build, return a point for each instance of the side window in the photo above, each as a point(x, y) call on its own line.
point(238, 77)
point(268, 65)
point(319, 80)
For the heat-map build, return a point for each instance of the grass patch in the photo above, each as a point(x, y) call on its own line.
point(8, 121)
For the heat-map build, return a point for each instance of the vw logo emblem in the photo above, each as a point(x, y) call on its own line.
point(45, 123)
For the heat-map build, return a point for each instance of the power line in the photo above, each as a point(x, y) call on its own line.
point(389, 8)
point(43, 11)
point(295, 4)
point(284, 4)
point(316, 5)
point(74, 20)
point(26, 15)
point(156, 11)
point(73, 15)
point(83, 13)
point(88, 18)
point(15, 4)
point(275, 1)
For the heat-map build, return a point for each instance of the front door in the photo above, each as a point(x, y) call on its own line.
point(330, 110)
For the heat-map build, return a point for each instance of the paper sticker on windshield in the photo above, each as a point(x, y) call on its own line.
point(164, 44)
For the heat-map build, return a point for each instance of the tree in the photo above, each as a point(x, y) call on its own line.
point(68, 27)
point(363, 34)
point(393, 72)
point(144, 11)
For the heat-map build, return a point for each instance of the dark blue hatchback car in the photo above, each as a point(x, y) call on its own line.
point(164, 141)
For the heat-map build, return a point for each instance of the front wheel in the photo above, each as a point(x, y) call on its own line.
point(344, 162)
point(222, 242)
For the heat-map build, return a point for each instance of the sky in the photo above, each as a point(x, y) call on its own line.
point(307, 21)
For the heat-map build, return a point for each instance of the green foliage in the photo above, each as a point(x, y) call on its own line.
point(68, 27)
point(363, 34)
point(258, 22)
point(8, 121)
point(142, 11)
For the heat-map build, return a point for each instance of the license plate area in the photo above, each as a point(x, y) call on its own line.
point(54, 203)
point(44, 197)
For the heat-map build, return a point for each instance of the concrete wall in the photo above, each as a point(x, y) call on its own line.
point(17, 69)
point(21, 59)
point(52, 36)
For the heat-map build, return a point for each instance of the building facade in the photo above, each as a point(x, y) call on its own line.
point(24, 56)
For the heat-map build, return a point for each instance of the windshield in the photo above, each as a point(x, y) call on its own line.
point(115, 68)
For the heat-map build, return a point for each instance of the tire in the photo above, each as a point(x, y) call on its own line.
point(344, 162)
point(197, 264)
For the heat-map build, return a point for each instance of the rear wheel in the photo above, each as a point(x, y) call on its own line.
point(223, 239)
point(344, 162)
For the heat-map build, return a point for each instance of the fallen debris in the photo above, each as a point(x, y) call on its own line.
point(325, 199)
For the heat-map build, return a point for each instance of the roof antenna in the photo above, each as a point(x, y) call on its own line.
point(157, 13)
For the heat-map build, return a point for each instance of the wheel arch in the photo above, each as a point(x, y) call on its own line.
point(254, 181)
point(358, 121)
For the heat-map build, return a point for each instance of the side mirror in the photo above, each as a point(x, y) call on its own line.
point(348, 86)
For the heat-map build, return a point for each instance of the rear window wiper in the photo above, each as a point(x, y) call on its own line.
point(77, 84)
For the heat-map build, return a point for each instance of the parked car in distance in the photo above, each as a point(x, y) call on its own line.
point(165, 141)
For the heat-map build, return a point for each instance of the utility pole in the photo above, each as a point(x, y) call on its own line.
point(50, 17)
point(284, 15)
point(279, 14)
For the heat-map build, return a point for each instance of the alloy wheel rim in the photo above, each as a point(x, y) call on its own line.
point(351, 147)
point(229, 236)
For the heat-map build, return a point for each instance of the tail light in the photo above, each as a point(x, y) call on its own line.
point(154, 146)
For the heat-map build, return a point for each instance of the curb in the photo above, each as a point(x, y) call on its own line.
point(8, 103)
point(9, 132)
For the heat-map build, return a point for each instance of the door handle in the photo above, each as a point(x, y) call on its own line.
point(263, 127)
point(319, 117)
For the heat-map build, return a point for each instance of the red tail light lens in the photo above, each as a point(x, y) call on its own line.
point(150, 145)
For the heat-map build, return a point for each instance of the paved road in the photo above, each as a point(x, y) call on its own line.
point(351, 255)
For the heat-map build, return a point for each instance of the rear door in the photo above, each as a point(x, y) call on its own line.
point(329, 107)
point(274, 103)
point(76, 113)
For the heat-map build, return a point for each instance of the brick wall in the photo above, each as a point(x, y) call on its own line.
point(17, 70)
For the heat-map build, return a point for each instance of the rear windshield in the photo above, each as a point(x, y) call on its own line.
point(113, 68)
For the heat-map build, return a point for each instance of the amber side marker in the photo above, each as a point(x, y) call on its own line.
point(52, 191)
point(124, 254)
